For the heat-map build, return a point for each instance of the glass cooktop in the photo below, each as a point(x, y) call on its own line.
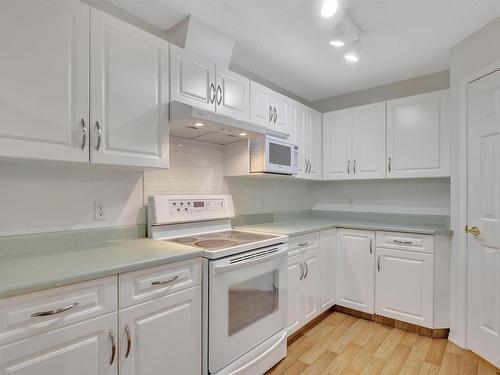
point(222, 240)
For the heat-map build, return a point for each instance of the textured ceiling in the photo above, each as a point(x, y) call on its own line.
point(286, 41)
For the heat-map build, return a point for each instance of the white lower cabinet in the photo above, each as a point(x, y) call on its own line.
point(327, 264)
point(162, 335)
point(309, 289)
point(295, 271)
point(87, 348)
point(404, 286)
point(355, 269)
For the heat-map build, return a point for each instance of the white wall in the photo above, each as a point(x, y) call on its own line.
point(471, 59)
point(51, 197)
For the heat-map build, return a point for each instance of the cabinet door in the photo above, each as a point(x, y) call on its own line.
point(261, 109)
point(297, 135)
point(368, 141)
point(355, 270)
point(418, 143)
point(327, 264)
point(281, 120)
point(164, 335)
point(44, 85)
point(192, 79)
point(295, 273)
point(337, 145)
point(81, 349)
point(315, 140)
point(404, 286)
point(310, 284)
point(233, 96)
point(129, 84)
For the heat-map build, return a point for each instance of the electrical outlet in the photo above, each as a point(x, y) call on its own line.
point(99, 210)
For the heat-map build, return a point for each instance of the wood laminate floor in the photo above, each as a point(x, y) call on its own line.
point(341, 344)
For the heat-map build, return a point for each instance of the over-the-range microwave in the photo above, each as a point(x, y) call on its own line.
point(270, 154)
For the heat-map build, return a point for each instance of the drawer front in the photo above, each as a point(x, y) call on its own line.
point(406, 241)
point(299, 243)
point(143, 285)
point(38, 312)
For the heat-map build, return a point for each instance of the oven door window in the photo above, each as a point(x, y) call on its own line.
point(280, 155)
point(252, 300)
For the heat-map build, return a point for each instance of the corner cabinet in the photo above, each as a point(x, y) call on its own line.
point(418, 137)
point(354, 143)
point(129, 86)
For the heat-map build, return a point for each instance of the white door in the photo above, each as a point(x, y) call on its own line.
point(233, 95)
point(368, 126)
point(484, 212)
point(337, 145)
point(310, 284)
point(295, 274)
point(129, 86)
point(281, 119)
point(162, 336)
point(404, 282)
point(418, 143)
point(80, 349)
point(44, 85)
point(298, 135)
point(315, 140)
point(261, 109)
point(192, 79)
point(327, 264)
point(355, 270)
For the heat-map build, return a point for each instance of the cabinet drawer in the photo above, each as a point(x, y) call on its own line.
point(142, 285)
point(406, 241)
point(38, 312)
point(303, 242)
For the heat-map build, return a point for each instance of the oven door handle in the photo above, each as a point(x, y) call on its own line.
point(244, 263)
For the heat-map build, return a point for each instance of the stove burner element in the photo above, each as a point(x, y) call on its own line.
point(186, 239)
point(214, 244)
point(241, 236)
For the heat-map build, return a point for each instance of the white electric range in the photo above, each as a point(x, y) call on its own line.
point(244, 281)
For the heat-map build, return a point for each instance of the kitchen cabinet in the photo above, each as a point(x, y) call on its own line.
point(310, 283)
point(404, 286)
point(418, 139)
point(162, 335)
point(44, 87)
point(327, 264)
point(269, 109)
point(129, 85)
point(295, 272)
point(196, 81)
point(354, 143)
point(87, 348)
point(355, 269)
point(314, 134)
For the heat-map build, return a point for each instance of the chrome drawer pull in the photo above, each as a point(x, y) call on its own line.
point(399, 242)
point(113, 347)
point(302, 244)
point(55, 311)
point(84, 135)
point(163, 282)
point(129, 341)
point(301, 271)
point(307, 269)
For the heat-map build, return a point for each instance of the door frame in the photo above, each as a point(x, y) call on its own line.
point(459, 209)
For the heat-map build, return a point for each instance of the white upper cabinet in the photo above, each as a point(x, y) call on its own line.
point(44, 85)
point(233, 95)
point(314, 133)
point(354, 143)
point(192, 79)
point(129, 86)
point(269, 109)
point(418, 143)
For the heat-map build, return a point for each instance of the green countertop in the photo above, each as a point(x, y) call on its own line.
point(69, 257)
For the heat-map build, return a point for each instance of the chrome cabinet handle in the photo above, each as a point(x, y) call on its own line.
point(354, 166)
point(163, 282)
point(301, 271)
point(219, 95)
point(371, 249)
point(389, 162)
point(348, 166)
point(129, 341)
point(212, 93)
point(271, 114)
point(378, 263)
point(302, 244)
point(55, 311)
point(403, 242)
point(84, 134)
point(99, 136)
point(113, 347)
point(307, 270)
point(275, 115)
point(310, 166)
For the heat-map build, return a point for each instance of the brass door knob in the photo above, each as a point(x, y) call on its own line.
point(475, 231)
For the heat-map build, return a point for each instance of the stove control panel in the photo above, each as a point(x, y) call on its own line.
point(168, 209)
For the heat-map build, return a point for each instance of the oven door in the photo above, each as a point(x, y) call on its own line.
point(278, 156)
point(247, 302)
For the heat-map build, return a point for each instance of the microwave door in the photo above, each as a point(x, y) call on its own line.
point(278, 157)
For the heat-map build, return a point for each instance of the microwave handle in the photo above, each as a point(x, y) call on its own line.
point(231, 267)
